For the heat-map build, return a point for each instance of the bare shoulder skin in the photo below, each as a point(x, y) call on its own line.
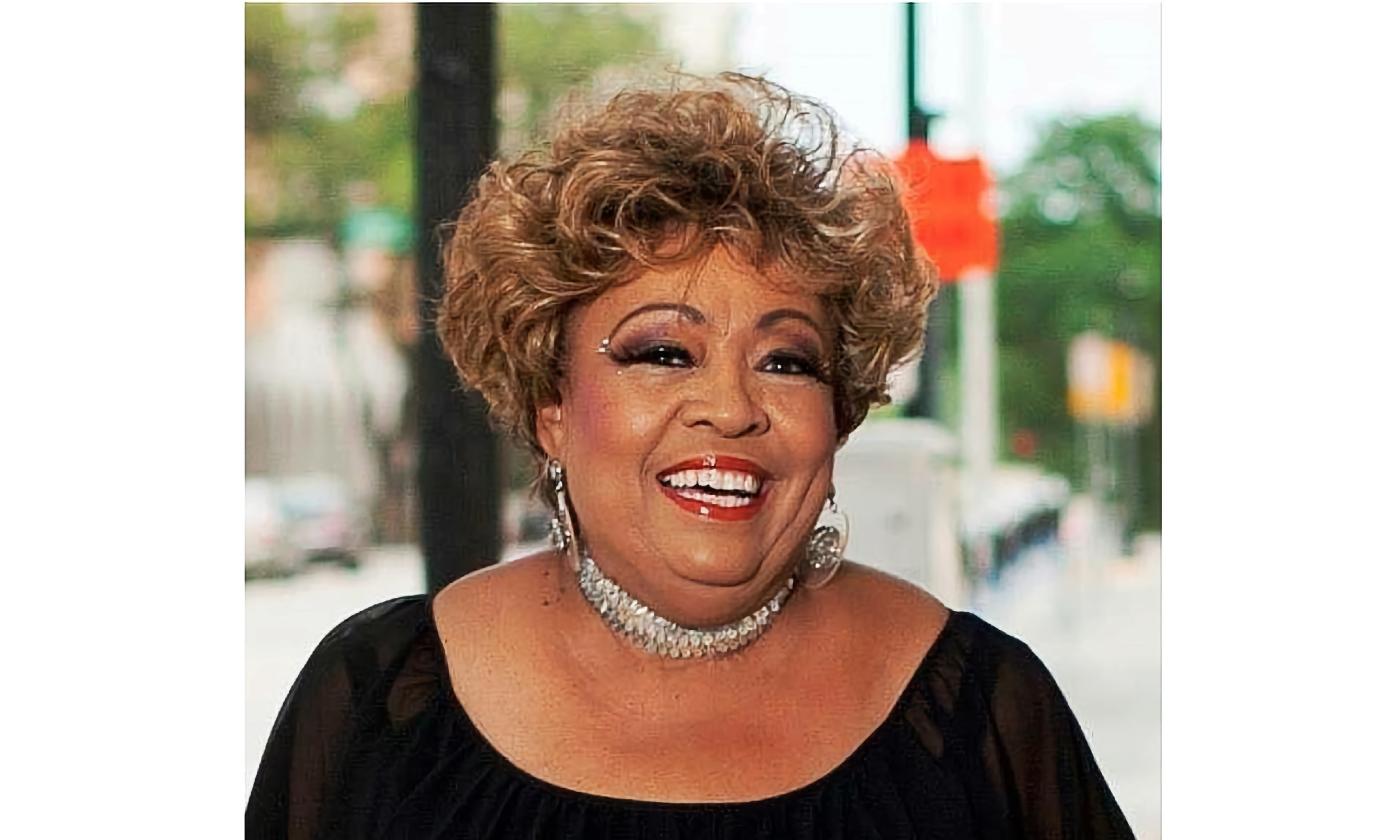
point(556, 693)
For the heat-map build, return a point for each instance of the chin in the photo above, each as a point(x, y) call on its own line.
point(717, 567)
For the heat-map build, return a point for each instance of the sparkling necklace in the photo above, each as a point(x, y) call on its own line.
point(640, 625)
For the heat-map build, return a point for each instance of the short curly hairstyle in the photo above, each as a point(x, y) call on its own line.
point(660, 177)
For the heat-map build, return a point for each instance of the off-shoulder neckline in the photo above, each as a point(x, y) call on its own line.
point(841, 769)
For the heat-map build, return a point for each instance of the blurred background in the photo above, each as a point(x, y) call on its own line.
point(1017, 472)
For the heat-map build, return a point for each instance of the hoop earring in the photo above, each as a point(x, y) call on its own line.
point(826, 547)
point(562, 534)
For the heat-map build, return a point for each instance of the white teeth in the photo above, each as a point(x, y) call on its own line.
point(716, 500)
point(714, 479)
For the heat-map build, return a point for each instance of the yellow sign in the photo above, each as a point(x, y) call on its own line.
point(1109, 381)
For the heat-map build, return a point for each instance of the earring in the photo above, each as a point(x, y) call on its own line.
point(826, 547)
point(562, 534)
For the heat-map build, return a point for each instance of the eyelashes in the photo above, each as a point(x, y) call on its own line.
point(669, 355)
point(794, 364)
point(661, 355)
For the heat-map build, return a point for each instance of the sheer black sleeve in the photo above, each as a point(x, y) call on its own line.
point(302, 763)
point(1034, 753)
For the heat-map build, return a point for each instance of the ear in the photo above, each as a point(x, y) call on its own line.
point(549, 428)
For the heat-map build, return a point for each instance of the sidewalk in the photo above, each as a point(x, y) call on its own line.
point(285, 619)
point(1098, 630)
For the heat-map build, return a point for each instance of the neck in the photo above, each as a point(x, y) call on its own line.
point(656, 634)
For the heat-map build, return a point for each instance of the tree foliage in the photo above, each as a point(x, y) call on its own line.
point(550, 50)
point(1081, 251)
point(311, 132)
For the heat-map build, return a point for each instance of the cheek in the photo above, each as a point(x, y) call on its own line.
point(608, 416)
point(806, 419)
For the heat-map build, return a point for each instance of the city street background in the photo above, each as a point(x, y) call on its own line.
point(1016, 472)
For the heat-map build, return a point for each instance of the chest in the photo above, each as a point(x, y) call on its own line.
point(716, 741)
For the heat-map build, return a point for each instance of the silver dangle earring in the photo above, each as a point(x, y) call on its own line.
point(562, 534)
point(826, 547)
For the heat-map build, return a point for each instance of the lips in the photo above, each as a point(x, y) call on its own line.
point(716, 488)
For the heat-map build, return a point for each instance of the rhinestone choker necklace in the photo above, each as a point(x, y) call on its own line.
point(640, 625)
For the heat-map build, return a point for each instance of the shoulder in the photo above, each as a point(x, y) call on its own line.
point(993, 652)
point(1001, 672)
point(879, 626)
point(368, 641)
point(484, 594)
point(885, 607)
point(498, 607)
point(958, 652)
point(499, 585)
point(378, 626)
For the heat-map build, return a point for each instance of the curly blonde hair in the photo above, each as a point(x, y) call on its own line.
point(660, 177)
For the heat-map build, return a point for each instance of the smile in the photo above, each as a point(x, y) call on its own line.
point(721, 488)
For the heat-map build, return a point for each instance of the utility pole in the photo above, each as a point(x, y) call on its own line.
point(459, 470)
point(977, 332)
point(925, 400)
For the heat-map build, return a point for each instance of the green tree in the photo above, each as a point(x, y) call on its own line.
point(1081, 250)
point(310, 135)
point(550, 50)
point(309, 131)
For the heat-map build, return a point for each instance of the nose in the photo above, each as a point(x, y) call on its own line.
point(724, 401)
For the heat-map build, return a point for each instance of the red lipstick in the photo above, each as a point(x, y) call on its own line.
point(718, 462)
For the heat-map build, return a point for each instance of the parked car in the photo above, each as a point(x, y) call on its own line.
point(266, 549)
point(323, 522)
point(292, 521)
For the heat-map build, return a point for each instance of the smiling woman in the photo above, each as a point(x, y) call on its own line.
point(703, 362)
point(683, 306)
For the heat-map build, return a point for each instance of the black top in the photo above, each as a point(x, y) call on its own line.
point(372, 743)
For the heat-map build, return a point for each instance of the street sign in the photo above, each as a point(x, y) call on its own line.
point(950, 208)
point(1109, 381)
point(377, 228)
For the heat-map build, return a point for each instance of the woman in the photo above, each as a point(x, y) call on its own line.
point(683, 307)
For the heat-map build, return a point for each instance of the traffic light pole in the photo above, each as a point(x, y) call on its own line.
point(459, 471)
point(925, 400)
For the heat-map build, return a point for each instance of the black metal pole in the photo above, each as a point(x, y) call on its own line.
point(925, 400)
point(459, 470)
point(918, 119)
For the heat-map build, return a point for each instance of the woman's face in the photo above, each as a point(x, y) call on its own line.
point(697, 431)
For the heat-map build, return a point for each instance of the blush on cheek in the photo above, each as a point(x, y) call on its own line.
point(607, 420)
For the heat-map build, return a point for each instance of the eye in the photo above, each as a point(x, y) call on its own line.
point(791, 364)
point(662, 355)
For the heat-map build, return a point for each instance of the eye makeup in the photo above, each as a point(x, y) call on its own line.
point(796, 362)
point(664, 336)
point(663, 353)
point(661, 333)
point(795, 350)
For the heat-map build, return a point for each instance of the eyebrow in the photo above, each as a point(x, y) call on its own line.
point(777, 315)
point(689, 313)
point(695, 316)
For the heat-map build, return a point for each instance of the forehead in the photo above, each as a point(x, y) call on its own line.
point(726, 289)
